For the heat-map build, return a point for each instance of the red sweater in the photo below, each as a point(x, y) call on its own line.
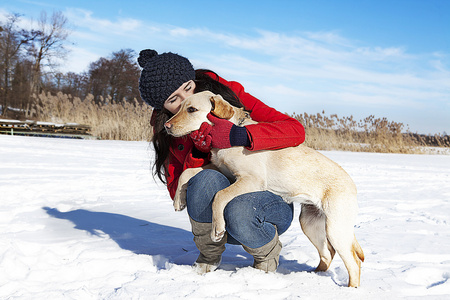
point(274, 131)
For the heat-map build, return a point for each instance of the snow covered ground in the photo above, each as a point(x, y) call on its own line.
point(85, 220)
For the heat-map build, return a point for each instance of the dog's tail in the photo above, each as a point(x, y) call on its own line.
point(357, 250)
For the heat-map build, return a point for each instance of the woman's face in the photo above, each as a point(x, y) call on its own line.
point(173, 103)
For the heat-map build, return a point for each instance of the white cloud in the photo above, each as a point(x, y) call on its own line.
point(328, 37)
point(301, 69)
point(379, 54)
point(85, 19)
point(80, 58)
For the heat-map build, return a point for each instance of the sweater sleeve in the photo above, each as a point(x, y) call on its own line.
point(275, 130)
point(174, 170)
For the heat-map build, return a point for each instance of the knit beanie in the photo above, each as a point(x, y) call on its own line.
point(162, 75)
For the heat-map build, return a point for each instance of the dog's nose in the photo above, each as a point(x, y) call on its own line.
point(168, 125)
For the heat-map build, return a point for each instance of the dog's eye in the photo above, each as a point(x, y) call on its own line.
point(191, 109)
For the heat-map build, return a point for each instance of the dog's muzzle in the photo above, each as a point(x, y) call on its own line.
point(168, 127)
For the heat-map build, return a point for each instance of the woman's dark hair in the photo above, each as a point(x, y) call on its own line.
point(205, 80)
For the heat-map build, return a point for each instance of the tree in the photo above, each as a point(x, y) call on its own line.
point(125, 74)
point(20, 85)
point(49, 46)
point(12, 40)
point(115, 77)
point(74, 84)
point(99, 78)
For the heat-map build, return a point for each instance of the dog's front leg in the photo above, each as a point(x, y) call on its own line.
point(242, 185)
point(179, 201)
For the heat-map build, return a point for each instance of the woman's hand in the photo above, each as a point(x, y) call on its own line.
point(201, 138)
point(223, 134)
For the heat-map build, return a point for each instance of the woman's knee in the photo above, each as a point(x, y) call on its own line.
point(255, 210)
point(208, 178)
point(241, 216)
point(201, 191)
point(240, 210)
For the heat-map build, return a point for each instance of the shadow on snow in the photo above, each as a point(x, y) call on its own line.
point(165, 243)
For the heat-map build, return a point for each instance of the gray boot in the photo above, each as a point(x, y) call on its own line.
point(210, 252)
point(266, 257)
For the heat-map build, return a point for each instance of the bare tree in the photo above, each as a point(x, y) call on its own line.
point(115, 77)
point(20, 85)
point(75, 84)
point(124, 75)
point(12, 40)
point(69, 83)
point(49, 46)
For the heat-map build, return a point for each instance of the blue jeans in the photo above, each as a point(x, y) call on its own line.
point(251, 219)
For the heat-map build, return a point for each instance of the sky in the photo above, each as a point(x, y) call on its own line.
point(351, 58)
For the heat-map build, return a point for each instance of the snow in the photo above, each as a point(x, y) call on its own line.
point(10, 121)
point(84, 219)
point(38, 123)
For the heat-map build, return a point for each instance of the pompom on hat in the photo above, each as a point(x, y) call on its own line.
point(161, 75)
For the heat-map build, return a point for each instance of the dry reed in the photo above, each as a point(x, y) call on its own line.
point(131, 121)
point(368, 135)
point(109, 120)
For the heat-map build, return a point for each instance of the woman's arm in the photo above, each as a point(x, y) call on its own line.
point(275, 130)
point(192, 159)
point(174, 170)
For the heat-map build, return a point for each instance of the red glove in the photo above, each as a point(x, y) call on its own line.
point(223, 134)
point(201, 138)
point(220, 132)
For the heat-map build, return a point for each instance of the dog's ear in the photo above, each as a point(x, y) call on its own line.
point(221, 108)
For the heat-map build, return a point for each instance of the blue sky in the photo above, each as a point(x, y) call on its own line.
point(388, 58)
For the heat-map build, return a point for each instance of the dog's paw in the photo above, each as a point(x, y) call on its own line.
point(217, 237)
point(179, 205)
point(217, 233)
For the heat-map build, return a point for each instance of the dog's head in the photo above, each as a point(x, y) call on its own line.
point(194, 111)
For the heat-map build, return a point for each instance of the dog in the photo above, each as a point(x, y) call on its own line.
point(298, 174)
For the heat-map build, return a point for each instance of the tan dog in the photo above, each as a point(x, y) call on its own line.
point(298, 174)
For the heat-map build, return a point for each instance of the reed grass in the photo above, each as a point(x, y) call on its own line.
point(108, 119)
point(131, 121)
point(368, 135)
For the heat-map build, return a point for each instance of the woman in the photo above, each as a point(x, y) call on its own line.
point(253, 220)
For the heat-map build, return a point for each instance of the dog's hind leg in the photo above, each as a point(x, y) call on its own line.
point(312, 221)
point(340, 233)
